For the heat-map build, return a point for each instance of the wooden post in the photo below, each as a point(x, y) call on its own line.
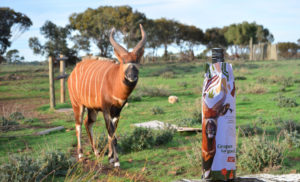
point(62, 81)
point(51, 83)
point(251, 49)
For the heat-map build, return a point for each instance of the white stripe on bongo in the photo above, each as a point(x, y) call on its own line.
point(90, 85)
point(83, 81)
point(97, 80)
point(87, 80)
point(103, 79)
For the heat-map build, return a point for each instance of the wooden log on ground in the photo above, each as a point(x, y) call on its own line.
point(45, 132)
point(188, 129)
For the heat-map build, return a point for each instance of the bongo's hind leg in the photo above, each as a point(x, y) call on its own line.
point(78, 114)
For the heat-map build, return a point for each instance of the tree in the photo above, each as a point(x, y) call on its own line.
point(166, 31)
point(96, 24)
point(12, 25)
point(56, 43)
point(288, 49)
point(12, 56)
point(214, 37)
point(189, 36)
point(238, 35)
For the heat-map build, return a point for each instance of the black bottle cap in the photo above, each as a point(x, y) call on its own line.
point(217, 55)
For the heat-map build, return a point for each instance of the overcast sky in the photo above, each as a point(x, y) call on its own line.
point(281, 17)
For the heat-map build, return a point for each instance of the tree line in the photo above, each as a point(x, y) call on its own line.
point(94, 25)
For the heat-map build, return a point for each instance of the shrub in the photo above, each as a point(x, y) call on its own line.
point(16, 116)
point(159, 91)
point(291, 126)
point(252, 89)
point(197, 116)
point(240, 78)
point(20, 168)
point(144, 138)
point(140, 139)
point(187, 122)
point(249, 130)
point(157, 110)
point(245, 99)
point(7, 124)
point(134, 98)
point(292, 139)
point(168, 74)
point(194, 155)
point(56, 163)
point(182, 84)
point(27, 168)
point(258, 152)
point(285, 101)
point(164, 137)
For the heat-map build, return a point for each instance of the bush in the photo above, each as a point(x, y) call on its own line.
point(240, 78)
point(258, 152)
point(140, 139)
point(197, 116)
point(56, 162)
point(290, 125)
point(159, 91)
point(134, 98)
point(164, 137)
point(20, 168)
point(249, 130)
point(144, 138)
point(16, 116)
point(194, 155)
point(168, 74)
point(292, 139)
point(7, 124)
point(25, 168)
point(285, 101)
point(157, 110)
point(182, 84)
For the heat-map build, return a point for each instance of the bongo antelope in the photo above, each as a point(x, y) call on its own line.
point(101, 85)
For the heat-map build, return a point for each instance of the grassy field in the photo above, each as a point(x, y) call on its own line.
point(268, 94)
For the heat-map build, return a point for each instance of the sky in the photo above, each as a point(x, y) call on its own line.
point(281, 17)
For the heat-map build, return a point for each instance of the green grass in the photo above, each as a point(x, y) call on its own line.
point(160, 162)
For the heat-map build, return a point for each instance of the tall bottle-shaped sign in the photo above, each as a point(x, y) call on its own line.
point(218, 120)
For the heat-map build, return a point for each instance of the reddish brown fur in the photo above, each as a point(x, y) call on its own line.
point(98, 85)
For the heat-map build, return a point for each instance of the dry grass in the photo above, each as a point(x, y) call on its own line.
point(251, 89)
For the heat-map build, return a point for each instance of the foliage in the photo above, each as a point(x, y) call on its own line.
point(168, 74)
point(95, 24)
point(12, 56)
point(159, 91)
point(240, 34)
point(157, 110)
point(145, 138)
point(259, 152)
point(135, 97)
point(292, 138)
point(16, 116)
point(7, 124)
point(163, 137)
point(288, 49)
point(214, 37)
point(25, 168)
point(56, 43)
point(285, 101)
point(12, 25)
point(141, 138)
point(249, 130)
point(194, 155)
